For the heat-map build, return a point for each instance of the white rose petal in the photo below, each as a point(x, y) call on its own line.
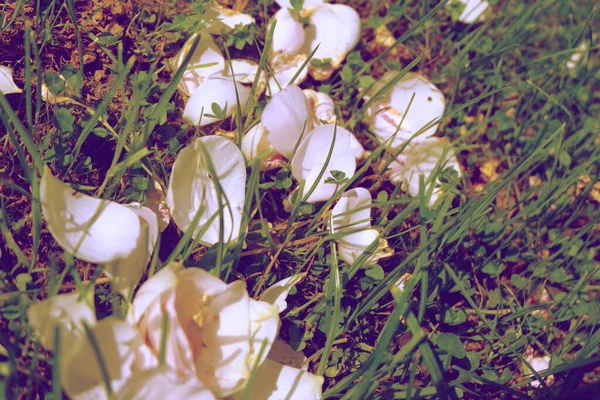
point(287, 120)
point(219, 90)
point(275, 381)
point(68, 312)
point(192, 190)
point(386, 113)
point(163, 383)
point(352, 215)
point(197, 70)
point(473, 10)
point(423, 159)
point(7, 84)
point(288, 36)
point(99, 231)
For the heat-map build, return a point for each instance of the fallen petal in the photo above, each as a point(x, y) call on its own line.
point(288, 36)
point(199, 69)
point(278, 292)
point(275, 381)
point(424, 159)
point(163, 383)
point(473, 10)
point(222, 91)
point(7, 84)
point(68, 312)
point(287, 119)
point(192, 190)
point(285, 70)
point(94, 230)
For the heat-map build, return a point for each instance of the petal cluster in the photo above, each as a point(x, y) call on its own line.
point(209, 333)
point(333, 28)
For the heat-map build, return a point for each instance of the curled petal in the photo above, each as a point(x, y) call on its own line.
point(206, 61)
point(68, 312)
point(7, 84)
point(95, 230)
point(255, 144)
point(336, 30)
point(275, 381)
point(287, 119)
point(192, 189)
point(322, 105)
point(315, 148)
point(99, 231)
point(352, 216)
point(219, 90)
point(352, 212)
point(264, 327)
point(425, 158)
point(163, 280)
point(163, 383)
point(344, 162)
point(288, 36)
point(224, 18)
point(278, 292)
point(123, 352)
point(223, 362)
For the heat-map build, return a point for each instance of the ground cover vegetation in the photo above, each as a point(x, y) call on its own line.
point(254, 199)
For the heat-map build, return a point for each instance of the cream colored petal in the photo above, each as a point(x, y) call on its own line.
point(352, 246)
point(94, 230)
point(287, 119)
point(123, 352)
point(336, 29)
point(192, 190)
point(285, 69)
point(344, 162)
point(255, 144)
point(125, 273)
point(207, 52)
point(245, 72)
point(322, 106)
point(179, 348)
point(428, 104)
point(275, 381)
point(7, 84)
point(223, 360)
point(224, 18)
point(218, 90)
point(352, 212)
point(473, 10)
point(150, 290)
point(423, 159)
point(278, 292)
point(163, 383)
point(67, 312)
point(264, 327)
point(288, 36)
point(315, 147)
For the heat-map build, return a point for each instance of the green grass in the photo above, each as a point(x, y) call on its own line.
point(479, 262)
